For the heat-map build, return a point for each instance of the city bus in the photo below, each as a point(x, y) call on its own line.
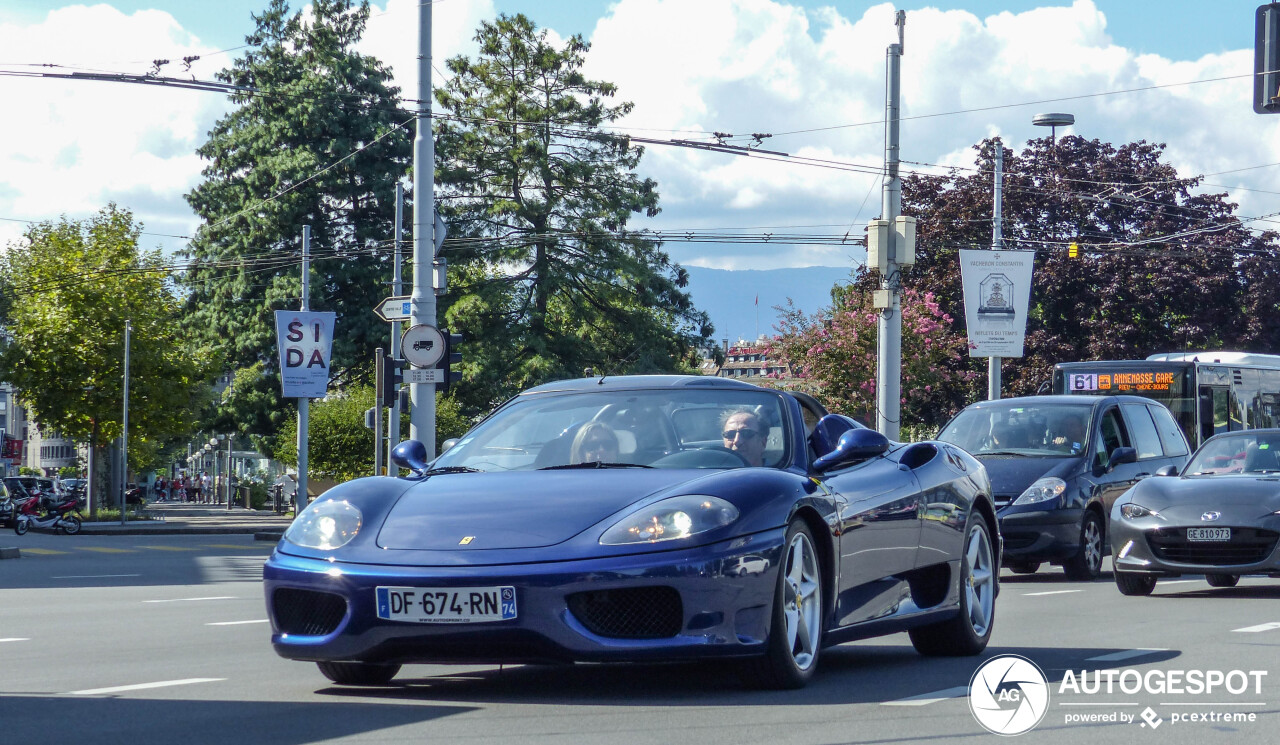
point(1208, 392)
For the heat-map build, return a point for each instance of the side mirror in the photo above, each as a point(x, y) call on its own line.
point(1167, 471)
point(410, 455)
point(854, 446)
point(1120, 456)
point(444, 446)
point(826, 433)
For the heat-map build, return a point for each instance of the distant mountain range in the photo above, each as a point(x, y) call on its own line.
point(729, 297)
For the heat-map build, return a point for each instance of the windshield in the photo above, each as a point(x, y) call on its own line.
point(665, 428)
point(1042, 429)
point(1247, 453)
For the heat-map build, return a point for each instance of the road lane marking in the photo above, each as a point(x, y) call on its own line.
point(143, 686)
point(235, 545)
point(1178, 581)
point(1260, 627)
point(16, 639)
point(930, 698)
point(1050, 592)
point(92, 576)
point(1126, 654)
point(104, 550)
point(236, 623)
point(184, 600)
point(167, 548)
point(42, 551)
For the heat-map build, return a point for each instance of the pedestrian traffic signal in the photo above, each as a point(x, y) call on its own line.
point(452, 356)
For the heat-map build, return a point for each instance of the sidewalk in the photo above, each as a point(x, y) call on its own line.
point(169, 518)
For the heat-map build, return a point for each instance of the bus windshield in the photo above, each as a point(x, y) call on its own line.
point(1170, 383)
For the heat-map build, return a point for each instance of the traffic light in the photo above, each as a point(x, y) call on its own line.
point(391, 377)
point(1073, 251)
point(452, 356)
point(1266, 59)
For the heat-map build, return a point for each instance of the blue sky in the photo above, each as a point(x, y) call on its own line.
point(1164, 27)
point(699, 66)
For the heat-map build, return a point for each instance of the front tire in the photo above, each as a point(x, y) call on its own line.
point(1222, 580)
point(358, 673)
point(70, 525)
point(21, 527)
point(1130, 583)
point(1086, 565)
point(795, 635)
point(970, 630)
point(1022, 567)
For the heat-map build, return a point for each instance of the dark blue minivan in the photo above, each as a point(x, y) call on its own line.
point(1058, 463)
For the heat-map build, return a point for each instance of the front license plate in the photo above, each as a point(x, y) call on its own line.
point(1208, 534)
point(446, 604)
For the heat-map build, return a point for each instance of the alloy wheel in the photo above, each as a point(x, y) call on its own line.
point(802, 601)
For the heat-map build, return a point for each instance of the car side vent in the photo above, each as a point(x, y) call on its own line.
point(307, 612)
point(630, 613)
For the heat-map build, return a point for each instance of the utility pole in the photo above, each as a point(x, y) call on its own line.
point(304, 403)
point(124, 447)
point(997, 243)
point(423, 300)
point(889, 339)
point(393, 415)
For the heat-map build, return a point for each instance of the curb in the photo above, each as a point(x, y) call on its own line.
point(161, 529)
point(10, 553)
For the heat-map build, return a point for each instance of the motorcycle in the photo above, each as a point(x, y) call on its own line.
point(60, 513)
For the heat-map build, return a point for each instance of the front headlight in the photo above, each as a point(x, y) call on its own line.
point(325, 524)
point(1134, 511)
point(1043, 490)
point(671, 519)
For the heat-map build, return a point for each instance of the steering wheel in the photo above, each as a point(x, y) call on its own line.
point(723, 449)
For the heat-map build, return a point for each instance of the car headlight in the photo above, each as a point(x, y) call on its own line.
point(1134, 511)
point(325, 524)
point(1050, 487)
point(670, 520)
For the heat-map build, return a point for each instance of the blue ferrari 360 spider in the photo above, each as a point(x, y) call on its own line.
point(647, 518)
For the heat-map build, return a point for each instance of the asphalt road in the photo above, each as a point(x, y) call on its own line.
point(163, 639)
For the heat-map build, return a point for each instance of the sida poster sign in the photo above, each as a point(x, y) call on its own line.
point(305, 340)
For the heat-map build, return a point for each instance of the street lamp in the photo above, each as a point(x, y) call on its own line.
point(213, 449)
point(1053, 121)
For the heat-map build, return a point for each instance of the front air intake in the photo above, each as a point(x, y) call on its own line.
point(630, 613)
point(307, 612)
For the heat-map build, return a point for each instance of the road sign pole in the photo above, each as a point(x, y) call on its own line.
point(423, 416)
point(393, 414)
point(304, 403)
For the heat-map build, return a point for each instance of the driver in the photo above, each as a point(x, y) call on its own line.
point(745, 435)
point(594, 443)
point(1069, 433)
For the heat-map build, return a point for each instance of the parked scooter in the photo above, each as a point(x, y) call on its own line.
point(60, 513)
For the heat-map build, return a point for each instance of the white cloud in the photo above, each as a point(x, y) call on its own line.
point(735, 66)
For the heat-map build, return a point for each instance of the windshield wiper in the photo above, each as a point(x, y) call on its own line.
point(593, 464)
point(453, 469)
point(1002, 452)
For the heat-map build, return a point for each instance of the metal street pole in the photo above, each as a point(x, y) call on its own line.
point(422, 422)
point(124, 447)
point(304, 403)
point(393, 416)
point(889, 338)
point(378, 363)
point(230, 441)
point(997, 243)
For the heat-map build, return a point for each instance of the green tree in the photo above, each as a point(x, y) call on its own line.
point(340, 447)
point(316, 138)
point(832, 355)
point(1160, 268)
point(70, 286)
point(545, 278)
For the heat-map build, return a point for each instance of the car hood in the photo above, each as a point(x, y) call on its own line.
point(515, 509)
point(1186, 499)
point(1012, 474)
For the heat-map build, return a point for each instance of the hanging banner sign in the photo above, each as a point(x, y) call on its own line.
point(305, 340)
point(997, 287)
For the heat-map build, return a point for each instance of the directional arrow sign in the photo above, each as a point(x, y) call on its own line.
point(394, 309)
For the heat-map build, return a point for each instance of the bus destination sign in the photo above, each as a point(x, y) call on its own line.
point(1122, 382)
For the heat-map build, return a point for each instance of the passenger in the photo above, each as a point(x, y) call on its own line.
point(745, 435)
point(594, 443)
